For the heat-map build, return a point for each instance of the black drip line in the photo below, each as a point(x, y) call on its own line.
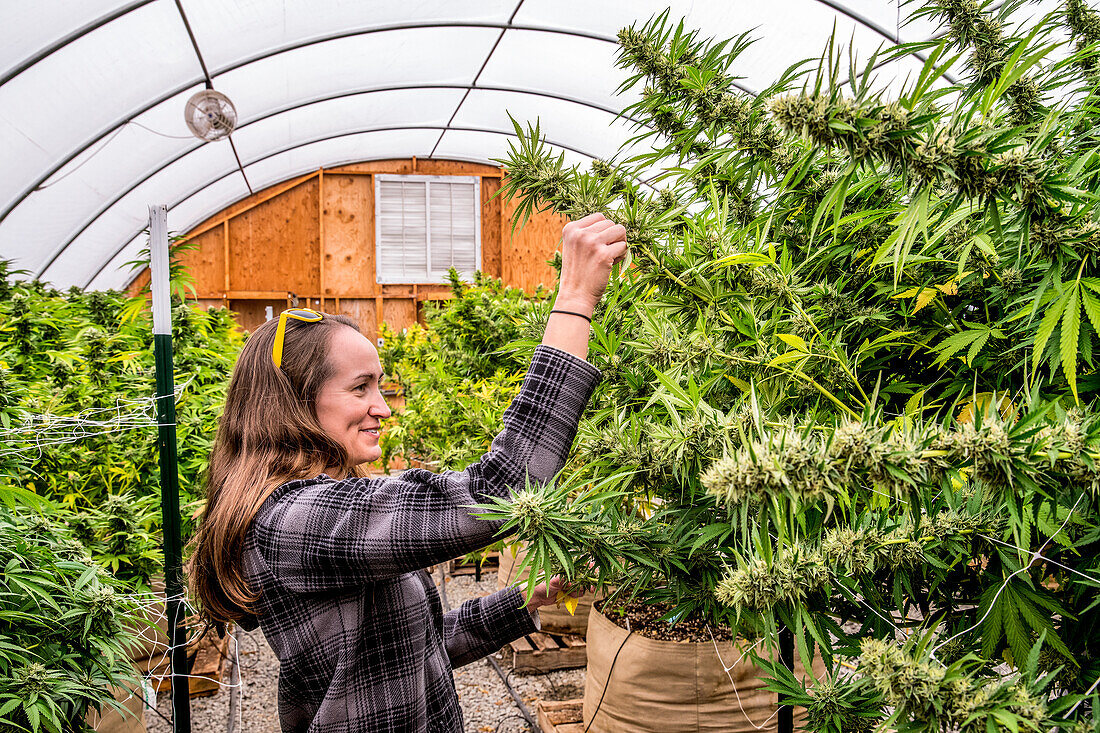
point(210, 85)
point(500, 672)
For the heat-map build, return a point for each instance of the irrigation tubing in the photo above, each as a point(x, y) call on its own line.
point(503, 677)
point(515, 696)
point(607, 682)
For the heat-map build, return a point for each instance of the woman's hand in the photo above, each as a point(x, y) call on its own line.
point(590, 246)
point(546, 594)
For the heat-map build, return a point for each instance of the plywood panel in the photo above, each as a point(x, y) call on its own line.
point(313, 303)
point(401, 166)
point(420, 166)
point(250, 202)
point(276, 246)
point(362, 310)
point(139, 283)
point(398, 313)
point(455, 168)
point(348, 211)
point(524, 253)
point(490, 227)
point(434, 292)
point(251, 314)
point(396, 290)
point(206, 263)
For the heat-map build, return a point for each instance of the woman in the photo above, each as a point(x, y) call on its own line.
point(327, 561)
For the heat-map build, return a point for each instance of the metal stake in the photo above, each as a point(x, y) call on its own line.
point(169, 470)
point(785, 723)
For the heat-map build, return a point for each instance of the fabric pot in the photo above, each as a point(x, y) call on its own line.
point(674, 687)
point(555, 619)
point(130, 720)
point(152, 641)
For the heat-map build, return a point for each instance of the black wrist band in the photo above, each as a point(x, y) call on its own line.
point(571, 313)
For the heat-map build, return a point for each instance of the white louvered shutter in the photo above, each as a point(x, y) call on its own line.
point(426, 225)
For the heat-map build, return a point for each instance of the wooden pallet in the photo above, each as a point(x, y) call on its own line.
point(206, 670)
point(561, 717)
point(540, 652)
point(488, 566)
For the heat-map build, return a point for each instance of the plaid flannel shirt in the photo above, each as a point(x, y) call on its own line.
point(358, 627)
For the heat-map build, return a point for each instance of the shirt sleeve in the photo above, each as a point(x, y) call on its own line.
point(320, 535)
point(482, 626)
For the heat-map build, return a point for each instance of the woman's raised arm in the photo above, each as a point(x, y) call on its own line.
point(590, 246)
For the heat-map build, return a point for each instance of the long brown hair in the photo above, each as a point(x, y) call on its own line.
point(267, 435)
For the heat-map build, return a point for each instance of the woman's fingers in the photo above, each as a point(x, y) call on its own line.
point(589, 248)
point(586, 221)
point(613, 233)
point(617, 250)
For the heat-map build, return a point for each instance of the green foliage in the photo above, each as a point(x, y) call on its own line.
point(848, 377)
point(76, 388)
point(63, 633)
point(80, 480)
point(459, 373)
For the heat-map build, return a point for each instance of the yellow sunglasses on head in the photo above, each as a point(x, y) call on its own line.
point(306, 315)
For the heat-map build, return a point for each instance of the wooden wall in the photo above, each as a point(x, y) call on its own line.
point(310, 242)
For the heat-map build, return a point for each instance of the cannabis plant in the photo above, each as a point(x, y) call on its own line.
point(849, 374)
point(65, 626)
point(77, 415)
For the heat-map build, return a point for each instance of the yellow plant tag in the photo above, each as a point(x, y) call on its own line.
point(570, 602)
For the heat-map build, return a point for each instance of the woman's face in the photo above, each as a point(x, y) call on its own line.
point(350, 406)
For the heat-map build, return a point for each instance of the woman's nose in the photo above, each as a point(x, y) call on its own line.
point(380, 408)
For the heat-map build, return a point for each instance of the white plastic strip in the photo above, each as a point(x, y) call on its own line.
point(158, 270)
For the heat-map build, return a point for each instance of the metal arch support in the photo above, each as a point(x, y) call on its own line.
point(135, 4)
point(302, 44)
point(290, 108)
point(111, 127)
point(313, 141)
point(884, 32)
point(333, 37)
point(65, 40)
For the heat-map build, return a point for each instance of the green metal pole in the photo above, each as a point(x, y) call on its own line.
point(169, 469)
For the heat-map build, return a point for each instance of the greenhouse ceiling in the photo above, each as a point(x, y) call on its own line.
point(92, 96)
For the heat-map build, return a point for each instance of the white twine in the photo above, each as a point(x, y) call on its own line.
point(43, 430)
point(721, 661)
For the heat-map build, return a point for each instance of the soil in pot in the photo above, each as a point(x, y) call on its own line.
point(676, 684)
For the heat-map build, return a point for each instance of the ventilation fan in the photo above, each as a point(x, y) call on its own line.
point(210, 115)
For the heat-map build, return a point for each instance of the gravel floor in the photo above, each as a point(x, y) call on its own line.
point(485, 701)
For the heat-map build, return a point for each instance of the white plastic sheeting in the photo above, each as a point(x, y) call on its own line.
point(92, 96)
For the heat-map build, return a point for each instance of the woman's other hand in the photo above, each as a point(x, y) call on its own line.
point(546, 594)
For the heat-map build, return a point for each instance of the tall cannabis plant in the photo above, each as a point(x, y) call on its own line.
point(77, 424)
point(848, 377)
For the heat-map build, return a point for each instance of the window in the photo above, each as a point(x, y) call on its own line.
point(425, 225)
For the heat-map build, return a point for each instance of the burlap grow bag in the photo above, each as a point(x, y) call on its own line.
point(673, 687)
point(129, 720)
point(555, 619)
point(152, 631)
